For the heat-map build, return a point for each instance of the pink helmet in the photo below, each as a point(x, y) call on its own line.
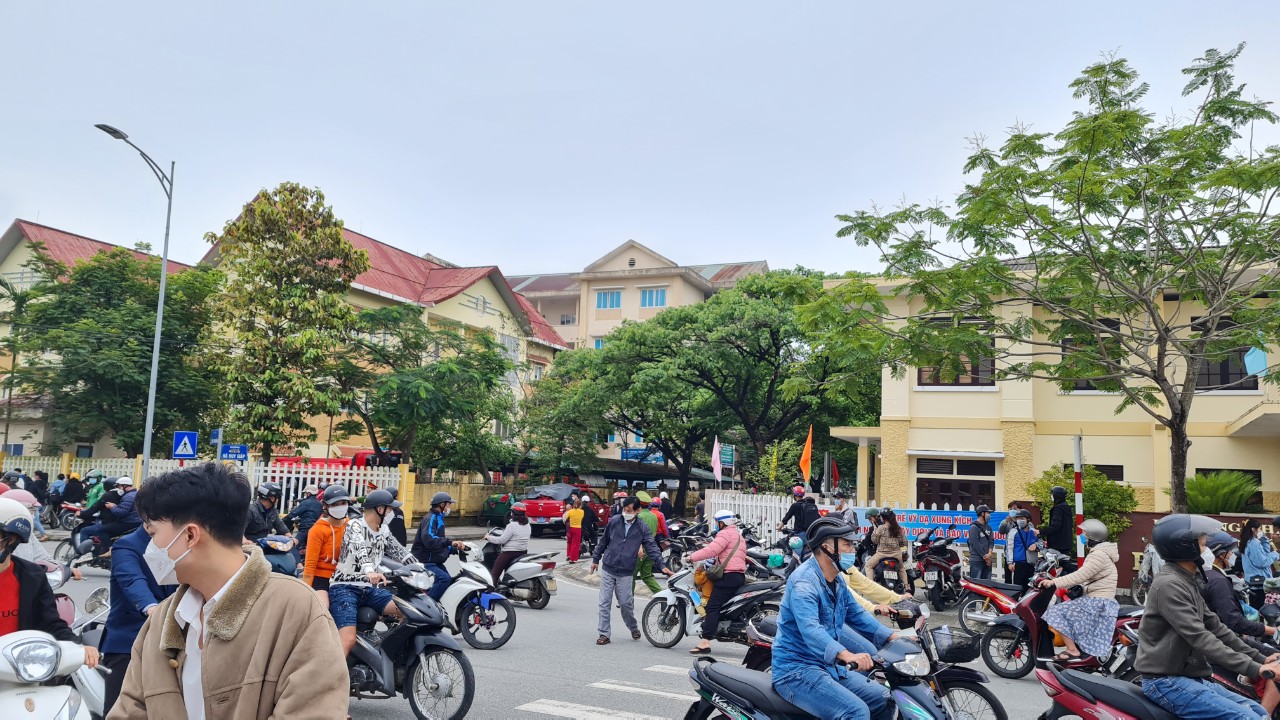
point(27, 499)
point(798, 491)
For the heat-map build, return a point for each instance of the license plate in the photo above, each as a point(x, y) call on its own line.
point(540, 521)
point(551, 584)
point(931, 575)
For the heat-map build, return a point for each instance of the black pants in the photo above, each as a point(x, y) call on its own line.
point(726, 587)
point(117, 663)
point(1022, 574)
point(503, 561)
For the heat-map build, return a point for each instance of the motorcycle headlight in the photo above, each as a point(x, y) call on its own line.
point(420, 580)
point(915, 665)
point(34, 660)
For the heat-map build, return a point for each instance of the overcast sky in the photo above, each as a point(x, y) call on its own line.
point(538, 135)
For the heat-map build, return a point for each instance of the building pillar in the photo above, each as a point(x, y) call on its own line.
point(893, 484)
point(864, 469)
point(1018, 439)
point(1161, 468)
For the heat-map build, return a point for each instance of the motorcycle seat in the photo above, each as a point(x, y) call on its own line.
point(766, 585)
point(1130, 611)
point(1123, 696)
point(751, 686)
point(1006, 588)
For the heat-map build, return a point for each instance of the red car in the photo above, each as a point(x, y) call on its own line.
point(545, 505)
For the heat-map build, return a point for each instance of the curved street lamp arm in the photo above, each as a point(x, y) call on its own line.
point(166, 183)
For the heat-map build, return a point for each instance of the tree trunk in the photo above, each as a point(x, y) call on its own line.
point(1178, 447)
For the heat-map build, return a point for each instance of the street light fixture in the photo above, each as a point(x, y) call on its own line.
point(166, 183)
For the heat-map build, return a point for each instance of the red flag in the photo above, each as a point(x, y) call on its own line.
point(835, 475)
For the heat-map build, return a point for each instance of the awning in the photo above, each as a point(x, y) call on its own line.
point(1261, 420)
point(956, 454)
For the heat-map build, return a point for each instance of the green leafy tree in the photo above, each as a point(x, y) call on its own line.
point(87, 336)
point(1225, 491)
point(1104, 499)
point(286, 313)
point(468, 440)
point(564, 418)
point(1120, 252)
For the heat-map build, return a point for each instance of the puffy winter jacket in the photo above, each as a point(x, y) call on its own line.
point(124, 511)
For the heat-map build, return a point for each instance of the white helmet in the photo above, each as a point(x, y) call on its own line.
point(727, 517)
point(125, 480)
point(15, 518)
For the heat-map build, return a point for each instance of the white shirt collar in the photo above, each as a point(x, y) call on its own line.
point(193, 602)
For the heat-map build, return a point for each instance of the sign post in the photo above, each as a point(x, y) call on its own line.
point(1079, 468)
point(184, 444)
point(215, 436)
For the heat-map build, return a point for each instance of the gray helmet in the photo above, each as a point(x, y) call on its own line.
point(335, 494)
point(983, 509)
point(886, 512)
point(395, 493)
point(380, 498)
point(441, 497)
point(1094, 530)
point(830, 527)
point(270, 490)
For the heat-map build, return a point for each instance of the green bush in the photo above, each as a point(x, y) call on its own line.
point(1225, 491)
point(1106, 500)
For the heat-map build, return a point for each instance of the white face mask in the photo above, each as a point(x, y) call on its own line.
point(446, 511)
point(1206, 557)
point(163, 568)
point(1022, 522)
point(1231, 559)
point(338, 511)
point(628, 516)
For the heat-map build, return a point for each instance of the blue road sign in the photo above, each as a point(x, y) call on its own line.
point(215, 435)
point(184, 444)
point(239, 453)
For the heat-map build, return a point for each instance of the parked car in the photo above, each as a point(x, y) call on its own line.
point(545, 505)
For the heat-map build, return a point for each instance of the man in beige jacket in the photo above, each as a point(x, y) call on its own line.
point(236, 641)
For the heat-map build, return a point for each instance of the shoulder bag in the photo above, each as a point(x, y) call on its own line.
point(715, 572)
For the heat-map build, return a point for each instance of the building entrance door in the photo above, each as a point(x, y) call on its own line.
point(955, 493)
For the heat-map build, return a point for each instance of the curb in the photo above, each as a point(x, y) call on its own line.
point(579, 573)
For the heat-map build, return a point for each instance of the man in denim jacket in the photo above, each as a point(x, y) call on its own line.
point(821, 625)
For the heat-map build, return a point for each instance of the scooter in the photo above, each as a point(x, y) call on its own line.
point(90, 627)
point(485, 618)
point(81, 552)
point(32, 659)
point(921, 680)
point(1014, 643)
point(278, 550)
point(885, 574)
point(673, 613)
point(985, 600)
point(530, 578)
point(940, 567)
point(414, 657)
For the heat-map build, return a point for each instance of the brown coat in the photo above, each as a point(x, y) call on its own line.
point(272, 651)
point(1098, 573)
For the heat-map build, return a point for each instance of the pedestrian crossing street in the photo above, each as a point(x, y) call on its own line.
point(661, 689)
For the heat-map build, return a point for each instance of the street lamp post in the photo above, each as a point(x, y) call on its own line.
point(166, 183)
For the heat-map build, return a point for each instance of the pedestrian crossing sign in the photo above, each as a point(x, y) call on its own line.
point(184, 444)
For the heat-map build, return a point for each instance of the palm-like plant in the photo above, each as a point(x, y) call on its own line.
point(1225, 491)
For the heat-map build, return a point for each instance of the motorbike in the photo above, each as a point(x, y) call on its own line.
point(485, 618)
point(89, 627)
point(33, 659)
point(414, 657)
point(761, 631)
point(1151, 564)
point(986, 600)
point(940, 567)
point(69, 515)
point(530, 578)
point(922, 678)
point(1079, 694)
point(1014, 642)
point(885, 574)
point(685, 538)
point(673, 613)
point(81, 552)
point(278, 550)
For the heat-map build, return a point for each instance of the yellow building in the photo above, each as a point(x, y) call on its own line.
point(975, 440)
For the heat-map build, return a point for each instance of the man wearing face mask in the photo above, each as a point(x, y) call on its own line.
point(433, 547)
point(825, 639)
point(619, 550)
point(233, 638)
point(26, 600)
point(263, 520)
point(324, 541)
point(356, 580)
point(135, 595)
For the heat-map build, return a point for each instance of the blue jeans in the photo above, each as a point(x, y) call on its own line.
point(442, 582)
point(979, 569)
point(1194, 699)
point(854, 697)
point(35, 520)
point(345, 602)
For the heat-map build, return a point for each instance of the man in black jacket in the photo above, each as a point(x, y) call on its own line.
point(396, 524)
point(26, 600)
point(263, 519)
point(1060, 533)
point(802, 513)
point(304, 515)
point(1220, 594)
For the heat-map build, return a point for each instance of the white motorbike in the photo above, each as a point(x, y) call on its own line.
point(531, 578)
point(476, 609)
point(90, 683)
point(28, 660)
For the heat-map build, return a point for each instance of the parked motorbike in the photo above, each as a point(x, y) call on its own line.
point(940, 567)
point(32, 660)
point(1079, 694)
point(530, 578)
point(414, 657)
point(485, 618)
point(278, 551)
point(921, 678)
point(1014, 642)
point(685, 538)
point(986, 600)
point(673, 613)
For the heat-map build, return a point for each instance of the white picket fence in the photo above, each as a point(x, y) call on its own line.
point(51, 465)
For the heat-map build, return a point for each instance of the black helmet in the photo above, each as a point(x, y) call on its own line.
point(110, 483)
point(1220, 543)
point(1177, 537)
point(441, 497)
point(830, 527)
point(886, 512)
point(395, 493)
point(1059, 493)
point(335, 494)
point(983, 509)
point(379, 498)
point(270, 490)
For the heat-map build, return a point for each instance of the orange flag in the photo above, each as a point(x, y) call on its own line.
point(806, 457)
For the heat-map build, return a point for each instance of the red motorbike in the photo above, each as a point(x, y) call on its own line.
point(984, 601)
point(1080, 694)
point(939, 565)
point(1014, 642)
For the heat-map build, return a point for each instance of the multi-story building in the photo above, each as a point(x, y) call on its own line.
point(976, 440)
point(631, 282)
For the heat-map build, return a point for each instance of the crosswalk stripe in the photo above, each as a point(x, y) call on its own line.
point(556, 708)
point(668, 669)
point(622, 686)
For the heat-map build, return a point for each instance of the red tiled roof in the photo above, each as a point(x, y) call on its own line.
point(558, 282)
point(541, 328)
point(67, 247)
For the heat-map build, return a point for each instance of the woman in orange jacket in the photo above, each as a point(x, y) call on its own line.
point(324, 541)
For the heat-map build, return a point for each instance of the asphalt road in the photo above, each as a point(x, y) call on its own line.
point(553, 668)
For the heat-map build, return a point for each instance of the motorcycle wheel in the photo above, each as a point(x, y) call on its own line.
point(67, 519)
point(663, 624)
point(538, 596)
point(1138, 591)
point(1007, 652)
point(487, 630)
point(943, 600)
point(432, 685)
point(975, 604)
point(65, 552)
point(971, 701)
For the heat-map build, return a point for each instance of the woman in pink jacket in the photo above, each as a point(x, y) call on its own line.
point(728, 549)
